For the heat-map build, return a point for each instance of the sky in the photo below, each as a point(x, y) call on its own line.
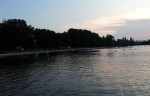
point(121, 18)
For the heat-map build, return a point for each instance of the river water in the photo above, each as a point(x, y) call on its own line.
point(106, 72)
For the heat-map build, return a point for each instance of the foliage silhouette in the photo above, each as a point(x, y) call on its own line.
point(16, 34)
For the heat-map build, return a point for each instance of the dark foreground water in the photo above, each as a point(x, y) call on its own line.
point(107, 72)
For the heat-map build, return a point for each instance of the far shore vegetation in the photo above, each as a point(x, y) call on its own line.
point(17, 35)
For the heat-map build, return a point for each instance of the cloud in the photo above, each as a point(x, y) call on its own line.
point(134, 24)
point(137, 14)
point(138, 29)
point(101, 26)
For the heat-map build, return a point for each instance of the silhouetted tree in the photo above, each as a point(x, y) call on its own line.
point(125, 42)
point(46, 39)
point(83, 38)
point(64, 40)
point(110, 40)
point(131, 42)
point(15, 33)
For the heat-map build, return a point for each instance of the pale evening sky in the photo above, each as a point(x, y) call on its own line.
point(130, 18)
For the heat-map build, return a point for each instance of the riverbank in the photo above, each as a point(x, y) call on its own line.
point(48, 51)
point(55, 50)
point(35, 52)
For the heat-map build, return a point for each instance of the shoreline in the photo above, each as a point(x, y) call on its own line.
point(51, 51)
point(34, 52)
point(94, 49)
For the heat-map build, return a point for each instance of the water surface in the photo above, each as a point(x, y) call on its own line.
point(107, 72)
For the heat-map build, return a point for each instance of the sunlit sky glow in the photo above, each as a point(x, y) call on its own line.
point(130, 18)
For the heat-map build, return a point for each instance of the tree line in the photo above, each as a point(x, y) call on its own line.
point(16, 34)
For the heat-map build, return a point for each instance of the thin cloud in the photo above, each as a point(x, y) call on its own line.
point(138, 29)
point(133, 24)
point(102, 26)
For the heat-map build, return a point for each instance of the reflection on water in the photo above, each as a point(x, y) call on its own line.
point(108, 72)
